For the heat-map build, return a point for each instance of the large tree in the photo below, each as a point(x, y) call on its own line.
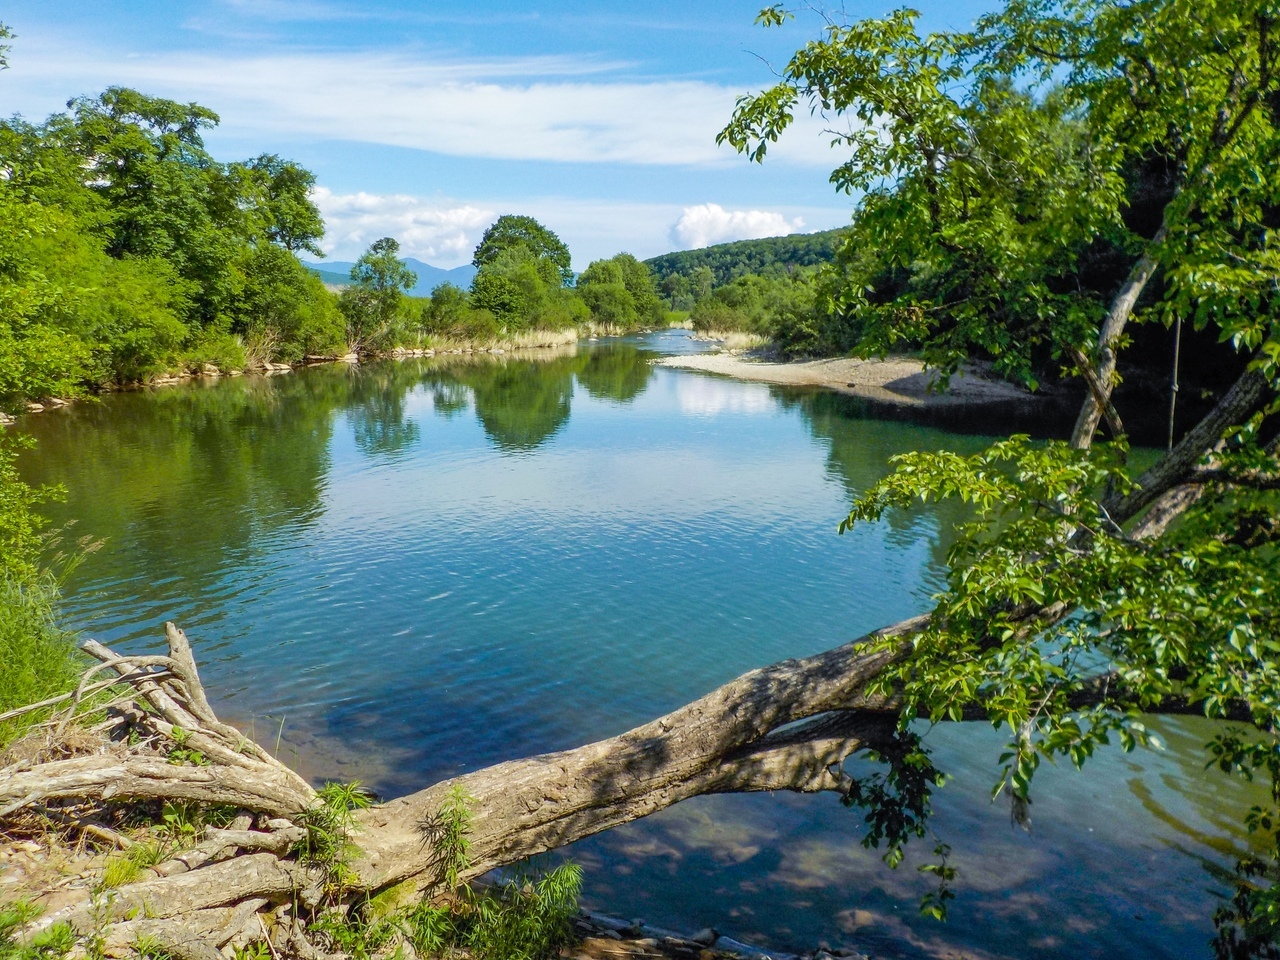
point(509, 232)
point(1080, 597)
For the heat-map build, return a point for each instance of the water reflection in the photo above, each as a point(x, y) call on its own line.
point(432, 565)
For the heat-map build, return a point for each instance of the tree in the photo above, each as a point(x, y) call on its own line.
point(508, 232)
point(1080, 597)
point(620, 292)
point(1073, 562)
point(374, 301)
point(291, 218)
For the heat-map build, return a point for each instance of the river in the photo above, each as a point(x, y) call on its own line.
point(405, 570)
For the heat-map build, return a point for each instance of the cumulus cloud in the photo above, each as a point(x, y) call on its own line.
point(445, 231)
point(709, 223)
point(439, 232)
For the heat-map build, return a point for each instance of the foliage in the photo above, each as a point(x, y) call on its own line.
point(726, 262)
point(526, 916)
point(509, 233)
point(523, 291)
point(329, 822)
point(620, 293)
point(283, 302)
point(40, 658)
point(283, 202)
point(51, 944)
point(1015, 179)
point(127, 250)
point(1183, 619)
point(755, 304)
point(450, 313)
point(374, 303)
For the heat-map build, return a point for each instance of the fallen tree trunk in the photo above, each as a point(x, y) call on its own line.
point(788, 726)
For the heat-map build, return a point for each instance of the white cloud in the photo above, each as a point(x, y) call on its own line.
point(709, 223)
point(516, 108)
point(445, 231)
point(436, 231)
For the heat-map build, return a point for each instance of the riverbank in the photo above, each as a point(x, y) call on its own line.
point(895, 380)
point(531, 343)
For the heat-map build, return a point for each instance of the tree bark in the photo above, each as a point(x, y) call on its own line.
point(1104, 373)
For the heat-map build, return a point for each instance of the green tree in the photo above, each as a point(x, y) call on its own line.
point(374, 303)
point(523, 291)
point(1081, 596)
point(291, 218)
point(509, 232)
point(621, 292)
point(283, 309)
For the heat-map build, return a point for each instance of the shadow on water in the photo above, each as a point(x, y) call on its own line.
point(426, 566)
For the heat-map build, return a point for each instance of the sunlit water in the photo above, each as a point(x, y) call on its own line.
point(408, 570)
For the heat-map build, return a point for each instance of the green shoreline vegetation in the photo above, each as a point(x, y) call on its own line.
point(127, 251)
point(1067, 182)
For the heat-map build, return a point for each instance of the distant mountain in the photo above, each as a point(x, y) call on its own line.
point(338, 272)
point(729, 261)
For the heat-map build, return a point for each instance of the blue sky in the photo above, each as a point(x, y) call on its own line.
point(425, 121)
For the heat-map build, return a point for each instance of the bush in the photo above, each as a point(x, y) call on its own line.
point(620, 292)
point(286, 305)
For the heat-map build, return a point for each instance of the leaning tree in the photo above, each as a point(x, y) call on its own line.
point(1081, 597)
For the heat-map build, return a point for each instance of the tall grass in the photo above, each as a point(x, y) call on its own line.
point(38, 659)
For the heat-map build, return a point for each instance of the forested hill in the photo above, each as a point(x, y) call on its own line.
point(728, 261)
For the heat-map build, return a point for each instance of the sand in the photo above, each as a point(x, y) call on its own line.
point(893, 380)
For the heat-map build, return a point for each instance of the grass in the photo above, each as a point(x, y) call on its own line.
point(735, 340)
point(52, 944)
point(40, 659)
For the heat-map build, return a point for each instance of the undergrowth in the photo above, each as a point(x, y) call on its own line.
point(52, 944)
point(40, 658)
point(527, 916)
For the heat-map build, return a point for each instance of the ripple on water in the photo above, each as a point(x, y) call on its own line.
point(409, 570)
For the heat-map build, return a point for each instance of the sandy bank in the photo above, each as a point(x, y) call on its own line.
point(899, 381)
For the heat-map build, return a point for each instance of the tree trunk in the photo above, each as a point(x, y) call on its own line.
point(1103, 377)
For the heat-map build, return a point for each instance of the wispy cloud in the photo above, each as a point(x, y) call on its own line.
point(519, 108)
point(709, 223)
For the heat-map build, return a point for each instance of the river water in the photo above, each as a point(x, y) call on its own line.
point(406, 570)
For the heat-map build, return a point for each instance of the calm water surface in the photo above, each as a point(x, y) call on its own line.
point(408, 570)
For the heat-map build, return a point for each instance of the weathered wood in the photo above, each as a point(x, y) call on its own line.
point(719, 743)
point(227, 882)
point(148, 777)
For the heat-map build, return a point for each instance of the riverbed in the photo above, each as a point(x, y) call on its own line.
point(405, 570)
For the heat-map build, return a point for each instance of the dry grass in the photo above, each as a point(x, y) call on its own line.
point(735, 341)
point(528, 340)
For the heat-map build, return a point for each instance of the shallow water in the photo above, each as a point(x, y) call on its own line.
point(407, 570)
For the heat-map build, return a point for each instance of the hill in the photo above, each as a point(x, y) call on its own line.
point(338, 272)
point(729, 261)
